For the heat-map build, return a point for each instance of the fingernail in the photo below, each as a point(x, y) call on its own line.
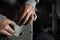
point(10, 34)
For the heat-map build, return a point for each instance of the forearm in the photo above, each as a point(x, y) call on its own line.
point(32, 2)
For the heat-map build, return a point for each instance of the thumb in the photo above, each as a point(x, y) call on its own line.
point(11, 22)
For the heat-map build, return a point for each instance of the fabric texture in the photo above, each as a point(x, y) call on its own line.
point(7, 9)
point(2, 17)
point(30, 2)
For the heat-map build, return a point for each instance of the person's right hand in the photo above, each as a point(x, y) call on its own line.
point(5, 28)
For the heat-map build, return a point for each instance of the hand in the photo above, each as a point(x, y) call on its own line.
point(28, 14)
point(5, 28)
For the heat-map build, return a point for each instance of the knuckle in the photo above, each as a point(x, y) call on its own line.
point(5, 27)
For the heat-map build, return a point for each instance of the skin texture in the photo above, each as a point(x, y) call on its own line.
point(5, 28)
point(28, 14)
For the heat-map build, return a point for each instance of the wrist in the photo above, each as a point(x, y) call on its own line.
point(2, 17)
point(32, 3)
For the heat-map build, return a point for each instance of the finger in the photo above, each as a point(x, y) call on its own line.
point(32, 17)
point(6, 33)
point(30, 20)
point(11, 22)
point(23, 15)
point(35, 17)
point(9, 29)
point(26, 18)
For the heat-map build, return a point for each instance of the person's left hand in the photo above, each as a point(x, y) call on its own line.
point(28, 14)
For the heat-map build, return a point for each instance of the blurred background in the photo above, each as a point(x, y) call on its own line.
point(47, 25)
